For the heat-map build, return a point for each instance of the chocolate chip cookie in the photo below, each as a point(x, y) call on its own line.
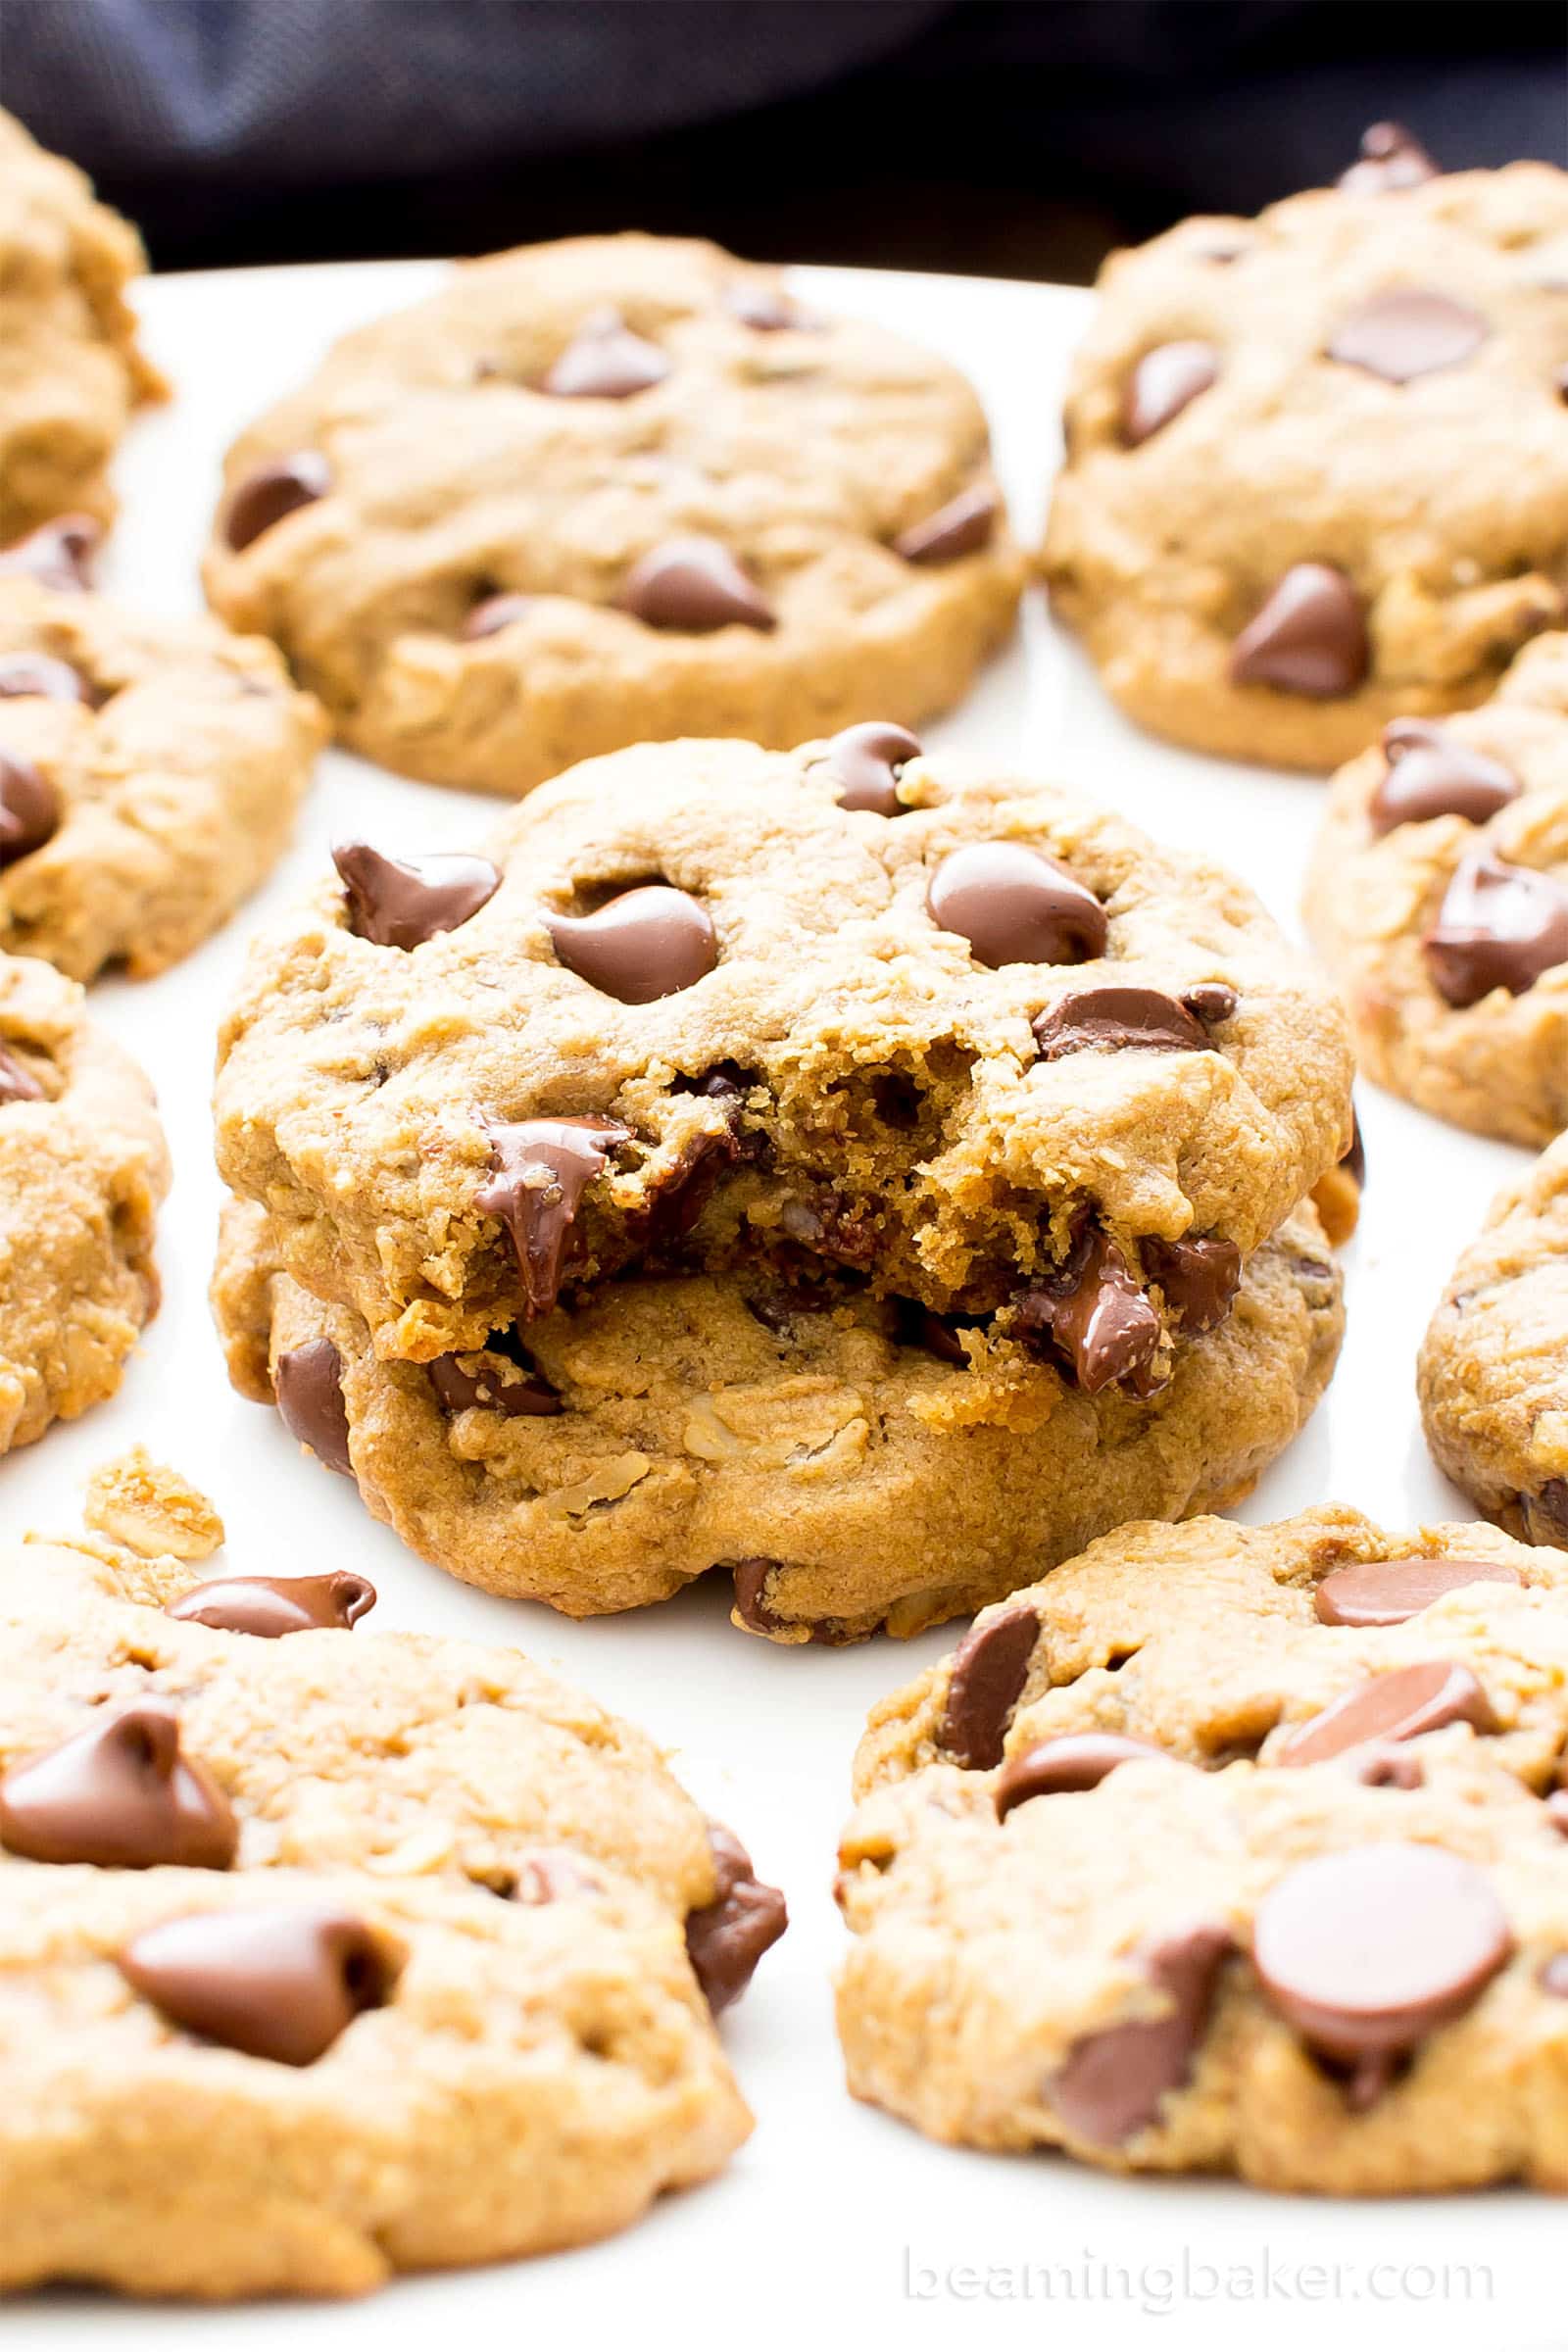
point(150, 769)
point(1439, 898)
point(1317, 462)
point(848, 1013)
point(82, 1168)
point(853, 1464)
point(1491, 1373)
point(329, 1953)
point(612, 489)
point(70, 372)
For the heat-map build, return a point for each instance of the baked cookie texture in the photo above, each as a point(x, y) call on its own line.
point(1491, 1370)
point(150, 774)
point(847, 1476)
point(1329, 1959)
point(71, 370)
point(399, 1960)
point(1438, 895)
point(611, 489)
point(1262, 531)
point(82, 1169)
point(700, 1008)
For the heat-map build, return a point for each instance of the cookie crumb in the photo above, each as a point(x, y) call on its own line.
point(151, 1510)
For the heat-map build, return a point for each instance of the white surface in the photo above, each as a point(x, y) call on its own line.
point(824, 2211)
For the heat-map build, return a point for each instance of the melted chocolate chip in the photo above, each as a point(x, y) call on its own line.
point(1400, 1705)
point(1408, 332)
point(1353, 1160)
point(1391, 157)
point(695, 584)
point(1165, 380)
point(42, 675)
point(1015, 906)
point(1499, 926)
point(1212, 1001)
point(679, 1201)
point(1432, 773)
point(1545, 1512)
point(1117, 1020)
point(272, 491)
point(122, 1796)
point(17, 1083)
point(1094, 1316)
point(961, 528)
point(30, 808)
point(1366, 1951)
point(1389, 1591)
point(273, 1982)
point(990, 1668)
point(868, 761)
point(647, 944)
point(606, 361)
point(542, 1169)
point(1308, 638)
point(501, 1377)
point(495, 613)
point(270, 1606)
point(1199, 1275)
point(1076, 1761)
point(58, 553)
point(1114, 2081)
point(727, 1937)
point(750, 1581)
point(916, 1326)
point(401, 904)
point(307, 1383)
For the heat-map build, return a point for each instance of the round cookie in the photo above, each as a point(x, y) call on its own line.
point(70, 372)
point(1491, 1370)
point(1317, 462)
point(613, 489)
point(853, 1466)
point(402, 1957)
point(976, 1043)
point(1438, 897)
point(150, 769)
point(82, 1168)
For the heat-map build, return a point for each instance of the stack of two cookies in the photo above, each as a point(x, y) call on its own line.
point(867, 1178)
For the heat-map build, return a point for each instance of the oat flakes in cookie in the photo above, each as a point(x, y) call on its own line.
point(1494, 1366)
point(611, 489)
point(1438, 897)
point(1317, 462)
point(82, 1169)
point(150, 769)
point(71, 370)
point(329, 1953)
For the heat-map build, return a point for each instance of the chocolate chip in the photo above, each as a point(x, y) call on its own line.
point(1499, 926)
point(280, 1982)
point(279, 488)
point(1401, 1705)
point(727, 1937)
point(750, 1580)
point(1094, 1315)
point(42, 675)
point(122, 1796)
point(1407, 332)
point(766, 309)
point(1199, 1275)
point(1389, 1591)
point(916, 1326)
point(1545, 1512)
point(1366, 1951)
point(990, 1668)
point(1432, 773)
point(1165, 381)
point(676, 1204)
point(694, 585)
point(397, 902)
point(1384, 1767)
point(1117, 1020)
point(1015, 906)
point(1353, 1160)
point(1391, 157)
point(1212, 1001)
point(1078, 1760)
point(959, 528)
point(1114, 2081)
point(495, 613)
point(307, 1382)
point(270, 1606)
point(542, 1169)
point(647, 944)
point(868, 761)
point(503, 1379)
point(58, 553)
point(606, 361)
point(17, 1083)
point(1308, 638)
